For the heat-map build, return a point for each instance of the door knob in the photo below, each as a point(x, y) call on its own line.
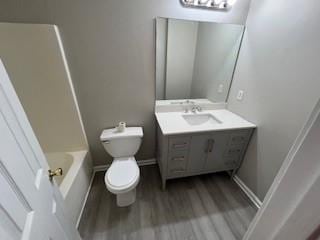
point(57, 172)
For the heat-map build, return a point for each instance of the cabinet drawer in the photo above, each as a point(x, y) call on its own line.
point(232, 164)
point(177, 163)
point(179, 143)
point(238, 138)
point(232, 154)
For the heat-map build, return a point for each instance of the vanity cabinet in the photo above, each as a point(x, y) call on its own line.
point(199, 153)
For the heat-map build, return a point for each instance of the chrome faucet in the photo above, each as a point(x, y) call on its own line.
point(187, 104)
point(195, 109)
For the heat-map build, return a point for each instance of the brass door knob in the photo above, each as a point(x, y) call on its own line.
point(57, 172)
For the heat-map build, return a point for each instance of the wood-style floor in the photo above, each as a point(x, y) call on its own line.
point(202, 207)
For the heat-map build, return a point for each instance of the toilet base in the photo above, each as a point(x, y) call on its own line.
point(126, 199)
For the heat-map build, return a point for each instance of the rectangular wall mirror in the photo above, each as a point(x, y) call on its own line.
point(195, 60)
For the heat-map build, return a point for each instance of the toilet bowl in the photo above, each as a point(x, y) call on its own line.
point(123, 175)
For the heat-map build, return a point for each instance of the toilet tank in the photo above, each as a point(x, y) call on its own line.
point(122, 144)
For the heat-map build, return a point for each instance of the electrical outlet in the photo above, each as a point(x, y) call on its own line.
point(240, 95)
point(220, 88)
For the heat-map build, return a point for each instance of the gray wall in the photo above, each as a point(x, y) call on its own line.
point(110, 46)
point(35, 64)
point(278, 68)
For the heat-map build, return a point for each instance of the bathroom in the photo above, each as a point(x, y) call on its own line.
point(80, 68)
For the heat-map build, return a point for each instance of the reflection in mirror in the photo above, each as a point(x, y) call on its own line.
point(195, 60)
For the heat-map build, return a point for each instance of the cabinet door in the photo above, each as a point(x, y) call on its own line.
point(198, 152)
point(215, 156)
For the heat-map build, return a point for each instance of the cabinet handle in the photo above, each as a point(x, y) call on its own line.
point(238, 139)
point(208, 146)
point(211, 145)
point(234, 151)
point(178, 158)
point(182, 145)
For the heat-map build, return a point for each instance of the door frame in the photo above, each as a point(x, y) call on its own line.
point(291, 209)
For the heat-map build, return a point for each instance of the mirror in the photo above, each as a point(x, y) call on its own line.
point(195, 60)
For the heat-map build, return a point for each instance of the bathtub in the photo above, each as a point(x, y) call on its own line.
point(75, 180)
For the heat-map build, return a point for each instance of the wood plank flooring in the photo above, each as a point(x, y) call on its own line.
point(204, 207)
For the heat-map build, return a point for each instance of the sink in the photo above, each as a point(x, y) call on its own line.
point(199, 119)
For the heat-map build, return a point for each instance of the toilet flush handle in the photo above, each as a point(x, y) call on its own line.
point(106, 141)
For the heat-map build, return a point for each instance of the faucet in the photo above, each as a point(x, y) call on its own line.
point(187, 103)
point(195, 109)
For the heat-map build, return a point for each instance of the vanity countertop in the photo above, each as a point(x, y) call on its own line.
point(172, 123)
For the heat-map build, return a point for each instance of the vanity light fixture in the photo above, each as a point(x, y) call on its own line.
point(209, 4)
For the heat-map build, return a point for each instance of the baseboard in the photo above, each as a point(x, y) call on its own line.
point(255, 200)
point(100, 168)
point(85, 199)
point(146, 162)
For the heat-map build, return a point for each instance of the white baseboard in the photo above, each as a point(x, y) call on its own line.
point(85, 199)
point(255, 200)
point(101, 168)
point(146, 162)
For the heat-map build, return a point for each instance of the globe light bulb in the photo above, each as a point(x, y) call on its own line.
point(202, 2)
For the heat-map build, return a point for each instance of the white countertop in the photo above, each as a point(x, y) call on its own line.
point(173, 123)
point(181, 104)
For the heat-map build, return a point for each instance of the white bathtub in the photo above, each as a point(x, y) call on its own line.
point(75, 181)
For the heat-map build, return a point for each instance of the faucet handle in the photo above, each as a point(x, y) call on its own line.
point(199, 108)
point(196, 108)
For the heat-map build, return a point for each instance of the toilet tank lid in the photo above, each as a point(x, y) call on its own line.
point(113, 133)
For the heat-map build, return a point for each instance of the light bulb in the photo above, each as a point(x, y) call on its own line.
point(217, 2)
point(231, 2)
point(202, 1)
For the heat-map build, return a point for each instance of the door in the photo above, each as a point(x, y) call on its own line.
point(217, 145)
point(199, 148)
point(31, 208)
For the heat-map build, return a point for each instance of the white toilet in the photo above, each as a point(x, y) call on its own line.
point(123, 175)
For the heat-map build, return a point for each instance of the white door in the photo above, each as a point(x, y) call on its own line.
point(31, 208)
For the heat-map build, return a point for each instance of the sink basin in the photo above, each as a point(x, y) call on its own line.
point(199, 119)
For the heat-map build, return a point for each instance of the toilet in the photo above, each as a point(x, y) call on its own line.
point(123, 175)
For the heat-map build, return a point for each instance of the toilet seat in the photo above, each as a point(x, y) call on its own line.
point(123, 175)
